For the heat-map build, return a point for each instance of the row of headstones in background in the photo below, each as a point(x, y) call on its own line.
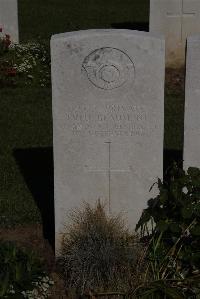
point(9, 19)
point(176, 20)
point(108, 120)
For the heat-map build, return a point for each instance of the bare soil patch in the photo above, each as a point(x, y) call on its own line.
point(175, 80)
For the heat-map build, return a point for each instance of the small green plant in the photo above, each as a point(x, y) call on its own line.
point(98, 253)
point(162, 276)
point(171, 227)
point(21, 273)
point(176, 213)
point(32, 63)
point(7, 71)
point(24, 64)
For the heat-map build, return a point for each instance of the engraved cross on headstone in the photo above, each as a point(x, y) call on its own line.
point(183, 14)
point(109, 170)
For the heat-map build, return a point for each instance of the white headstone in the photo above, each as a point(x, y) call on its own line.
point(192, 104)
point(9, 19)
point(176, 19)
point(108, 112)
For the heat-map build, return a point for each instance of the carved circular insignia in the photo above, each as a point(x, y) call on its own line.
point(108, 68)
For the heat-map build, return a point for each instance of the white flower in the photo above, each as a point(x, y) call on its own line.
point(185, 190)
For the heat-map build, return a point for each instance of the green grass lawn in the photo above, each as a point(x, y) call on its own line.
point(25, 111)
point(43, 18)
point(26, 123)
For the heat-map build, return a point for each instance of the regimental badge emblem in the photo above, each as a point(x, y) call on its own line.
point(108, 68)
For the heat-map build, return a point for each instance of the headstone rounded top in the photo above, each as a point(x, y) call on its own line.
point(108, 68)
point(90, 33)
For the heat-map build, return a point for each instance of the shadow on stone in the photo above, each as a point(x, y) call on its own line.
point(131, 25)
point(36, 166)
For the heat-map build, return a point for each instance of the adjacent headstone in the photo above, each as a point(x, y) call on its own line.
point(192, 104)
point(108, 114)
point(9, 19)
point(176, 19)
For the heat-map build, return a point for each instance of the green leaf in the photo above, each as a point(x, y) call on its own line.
point(195, 231)
point(163, 196)
point(175, 227)
point(196, 182)
point(167, 290)
point(193, 171)
point(176, 191)
point(145, 293)
point(152, 202)
point(160, 183)
point(197, 209)
point(162, 225)
point(196, 257)
point(143, 219)
point(186, 212)
point(4, 284)
point(174, 293)
point(19, 272)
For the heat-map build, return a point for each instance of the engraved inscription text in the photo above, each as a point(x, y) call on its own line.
point(108, 120)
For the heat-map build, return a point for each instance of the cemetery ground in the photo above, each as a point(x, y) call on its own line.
point(26, 177)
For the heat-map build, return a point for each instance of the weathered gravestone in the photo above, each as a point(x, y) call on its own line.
point(192, 104)
point(108, 120)
point(176, 19)
point(9, 19)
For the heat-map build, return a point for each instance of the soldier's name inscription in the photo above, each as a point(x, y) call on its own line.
point(109, 120)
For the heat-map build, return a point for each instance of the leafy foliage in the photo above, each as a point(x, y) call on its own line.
point(162, 276)
point(19, 270)
point(32, 63)
point(171, 227)
point(21, 64)
point(4, 44)
point(6, 67)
